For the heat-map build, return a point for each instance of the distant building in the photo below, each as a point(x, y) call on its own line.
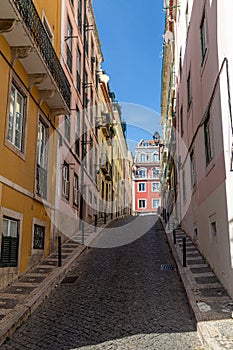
point(146, 183)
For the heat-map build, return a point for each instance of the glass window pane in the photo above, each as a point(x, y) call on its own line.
point(13, 229)
point(5, 227)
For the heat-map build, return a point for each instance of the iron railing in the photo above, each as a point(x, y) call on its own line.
point(38, 33)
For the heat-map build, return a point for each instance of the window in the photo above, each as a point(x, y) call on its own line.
point(207, 136)
point(65, 181)
point(69, 34)
point(187, 17)
point(203, 37)
point(78, 70)
point(10, 242)
point(16, 118)
point(180, 62)
point(155, 203)
point(142, 158)
point(181, 121)
point(84, 145)
point(77, 132)
point(141, 187)
point(155, 157)
point(195, 233)
point(91, 108)
point(80, 15)
point(93, 59)
point(86, 95)
point(42, 155)
point(184, 187)
point(67, 127)
point(192, 169)
point(142, 203)
point(96, 75)
point(142, 173)
point(86, 36)
point(155, 186)
point(95, 203)
point(39, 237)
point(155, 173)
point(91, 158)
point(189, 91)
point(47, 28)
point(213, 229)
point(90, 203)
point(76, 190)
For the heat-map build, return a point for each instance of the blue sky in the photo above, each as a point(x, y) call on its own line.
point(131, 34)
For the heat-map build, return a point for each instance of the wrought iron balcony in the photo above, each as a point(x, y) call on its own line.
point(41, 61)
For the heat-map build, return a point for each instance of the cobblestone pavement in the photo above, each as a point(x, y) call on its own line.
point(117, 298)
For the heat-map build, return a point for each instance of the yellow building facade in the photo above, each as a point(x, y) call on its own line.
point(33, 90)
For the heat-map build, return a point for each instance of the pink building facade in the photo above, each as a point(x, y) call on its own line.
point(203, 67)
point(146, 182)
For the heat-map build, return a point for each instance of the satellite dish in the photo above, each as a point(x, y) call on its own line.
point(168, 37)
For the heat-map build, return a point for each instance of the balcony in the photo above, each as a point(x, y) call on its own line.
point(24, 31)
point(146, 177)
point(104, 124)
point(105, 166)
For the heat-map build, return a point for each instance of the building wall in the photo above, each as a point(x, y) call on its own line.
point(147, 195)
point(208, 205)
point(21, 203)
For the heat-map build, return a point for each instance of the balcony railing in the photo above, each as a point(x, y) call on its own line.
point(146, 177)
point(29, 14)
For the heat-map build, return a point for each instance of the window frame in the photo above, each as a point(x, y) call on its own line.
point(21, 152)
point(184, 186)
point(78, 69)
point(203, 37)
point(155, 173)
point(144, 170)
point(189, 90)
point(42, 246)
point(157, 157)
point(10, 262)
point(181, 121)
point(90, 199)
point(152, 187)
point(77, 132)
point(139, 200)
point(192, 169)
point(141, 183)
point(208, 139)
point(141, 155)
point(76, 190)
point(42, 169)
point(69, 46)
point(47, 27)
point(67, 127)
point(66, 181)
point(152, 204)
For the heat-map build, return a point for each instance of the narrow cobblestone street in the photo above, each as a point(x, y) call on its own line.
point(117, 298)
